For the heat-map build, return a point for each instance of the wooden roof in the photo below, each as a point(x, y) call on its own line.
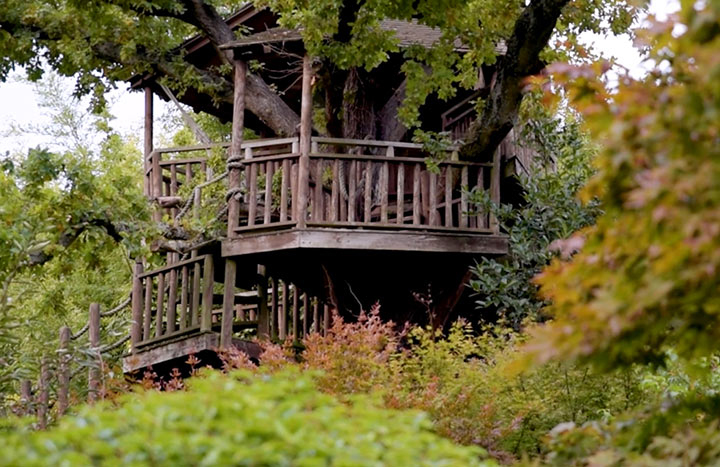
point(408, 33)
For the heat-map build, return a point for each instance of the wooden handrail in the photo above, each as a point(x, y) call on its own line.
point(380, 158)
point(169, 267)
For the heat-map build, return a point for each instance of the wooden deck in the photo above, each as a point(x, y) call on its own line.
point(342, 222)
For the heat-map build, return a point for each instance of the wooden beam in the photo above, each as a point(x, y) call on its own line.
point(367, 240)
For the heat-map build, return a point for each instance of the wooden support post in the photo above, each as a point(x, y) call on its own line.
point(228, 311)
point(326, 319)
point(305, 136)
point(275, 309)
point(63, 371)
point(295, 314)
point(43, 394)
point(94, 372)
point(148, 181)
point(238, 127)
point(207, 294)
point(26, 396)
point(285, 295)
point(316, 316)
point(137, 307)
point(263, 314)
point(495, 189)
point(306, 315)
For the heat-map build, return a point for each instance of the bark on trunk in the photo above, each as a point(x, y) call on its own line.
point(530, 36)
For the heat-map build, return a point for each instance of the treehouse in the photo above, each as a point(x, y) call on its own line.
point(319, 221)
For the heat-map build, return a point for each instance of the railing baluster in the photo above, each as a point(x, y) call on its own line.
point(184, 298)
point(160, 306)
point(335, 193)
point(416, 195)
point(352, 189)
point(481, 215)
point(294, 191)
point(384, 182)
point(268, 192)
point(448, 195)
point(368, 192)
point(172, 301)
point(284, 190)
point(400, 200)
point(433, 198)
point(195, 300)
point(207, 294)
point(318, 208)
point(252, 198)
point(462, 214)
point(147, 321)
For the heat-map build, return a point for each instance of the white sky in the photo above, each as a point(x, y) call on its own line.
point(20, 105)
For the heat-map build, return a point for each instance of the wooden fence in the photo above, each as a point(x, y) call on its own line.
point(55, 375)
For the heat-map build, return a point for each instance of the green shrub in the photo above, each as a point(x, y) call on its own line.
point(237, 419)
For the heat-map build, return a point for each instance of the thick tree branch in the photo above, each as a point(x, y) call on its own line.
point(72, 233)
point(530, 36)
point(391, 128)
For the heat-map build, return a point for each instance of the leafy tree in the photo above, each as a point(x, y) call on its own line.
point(107, 41)
point(549, 211)
point(70, 219)
point(643, 288)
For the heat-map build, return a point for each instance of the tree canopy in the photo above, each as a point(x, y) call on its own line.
point(104, 42)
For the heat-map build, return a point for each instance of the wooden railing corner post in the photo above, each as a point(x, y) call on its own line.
point(63, 372)
point(94, 335)
point(43, 394)
point(26, 396)
point(137, 307)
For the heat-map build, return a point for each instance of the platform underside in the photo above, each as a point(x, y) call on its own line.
point(456, 242)
point(357, 268)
